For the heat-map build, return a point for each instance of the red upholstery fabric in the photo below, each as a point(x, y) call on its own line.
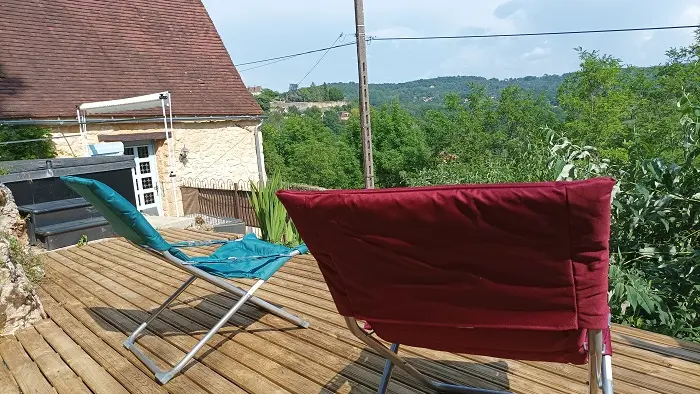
point(467, 267)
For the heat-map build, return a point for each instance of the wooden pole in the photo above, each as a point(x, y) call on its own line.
point(365, 123)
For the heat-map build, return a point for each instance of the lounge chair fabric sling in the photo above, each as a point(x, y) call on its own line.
point(509, 270)
point(247, 257)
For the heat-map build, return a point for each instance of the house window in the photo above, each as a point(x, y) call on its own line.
point(145, 168)
point(143, 152)
point(149, 198)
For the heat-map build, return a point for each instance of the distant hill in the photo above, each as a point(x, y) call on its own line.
point(426, 92)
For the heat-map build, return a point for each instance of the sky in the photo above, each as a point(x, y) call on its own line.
point(260, 29)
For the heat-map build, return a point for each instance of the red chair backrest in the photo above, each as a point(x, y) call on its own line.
point(531, 256)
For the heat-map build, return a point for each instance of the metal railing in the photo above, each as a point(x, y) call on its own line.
point(218, 198)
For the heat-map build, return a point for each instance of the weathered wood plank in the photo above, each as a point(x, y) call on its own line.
point(26, 373)
point(61, 377)
point(304, 359)
point(149, 299)
point(94, 376)
point(86, 329)
point(171, 341)
point(121, 284)
point(482, 383)
point(8, 385)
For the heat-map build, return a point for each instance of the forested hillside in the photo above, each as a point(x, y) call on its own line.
point(638, 125)
point(432, 91)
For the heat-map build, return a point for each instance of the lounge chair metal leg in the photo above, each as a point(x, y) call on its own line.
point(606, 373)
point(401, 363)
point(129, 342)
point(388, 368)
point(221, 283)
point(596, 364)
point(164, 376)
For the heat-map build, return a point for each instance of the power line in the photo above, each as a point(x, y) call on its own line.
point(296, 54)
point(550, 33)
point(278, 59)
point(263, 65)
point(319, 60)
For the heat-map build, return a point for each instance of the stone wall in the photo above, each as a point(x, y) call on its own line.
point(19, 304)
point(215, 150)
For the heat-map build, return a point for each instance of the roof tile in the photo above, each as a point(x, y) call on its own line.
point(61, 53)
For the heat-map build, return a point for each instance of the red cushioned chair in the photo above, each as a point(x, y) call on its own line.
point(513, 271)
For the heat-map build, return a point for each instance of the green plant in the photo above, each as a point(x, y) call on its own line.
point(83, 240)
point(19, 254)
point(655, 230)
point(272, 216)
point(27, 150)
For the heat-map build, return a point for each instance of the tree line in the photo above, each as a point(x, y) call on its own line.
point(638, 125)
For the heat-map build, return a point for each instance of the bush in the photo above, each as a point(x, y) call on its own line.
point(27, 150)
point(655, 231)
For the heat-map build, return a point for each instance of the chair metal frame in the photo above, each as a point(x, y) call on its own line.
point(599, 363)
point(164, 375)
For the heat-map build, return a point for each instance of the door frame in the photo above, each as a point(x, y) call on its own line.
point(154, 170)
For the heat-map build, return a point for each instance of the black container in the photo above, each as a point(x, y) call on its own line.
point(37, 181)
point(57, 216)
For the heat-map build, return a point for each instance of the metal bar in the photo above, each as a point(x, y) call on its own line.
point(606, 375)
point(216, 281)
point(129, 343)
point(164, 377)
point(595, 351)
point(39, 139)
point(401, 363)
point(67, 122)
point(132, 338)
point(236, 202)
point(388, 368)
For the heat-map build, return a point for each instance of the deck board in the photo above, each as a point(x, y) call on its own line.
point(97, 294)
point(25, 372)
point(60, 375)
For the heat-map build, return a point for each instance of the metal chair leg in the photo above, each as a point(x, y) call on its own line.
point(606, 374)
point(222, 284)
point(599, 364)
point(163, 376)
point(132, 338)
point(595, 352)
point(388, 369)
point(401, 363)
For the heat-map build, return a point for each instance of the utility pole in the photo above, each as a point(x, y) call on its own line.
point(365, 124)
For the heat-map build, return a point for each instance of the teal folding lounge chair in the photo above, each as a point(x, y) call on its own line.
point(247, 257)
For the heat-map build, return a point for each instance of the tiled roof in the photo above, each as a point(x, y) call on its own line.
point(56, 54)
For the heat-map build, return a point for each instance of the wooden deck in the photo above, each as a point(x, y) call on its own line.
point(96, 294)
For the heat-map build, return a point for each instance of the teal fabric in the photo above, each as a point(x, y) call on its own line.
point(119, 212)
point(248, 257)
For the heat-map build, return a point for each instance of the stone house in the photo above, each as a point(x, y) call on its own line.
point(56, 55)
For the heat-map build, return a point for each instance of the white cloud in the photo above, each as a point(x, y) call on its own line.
point(538, 53)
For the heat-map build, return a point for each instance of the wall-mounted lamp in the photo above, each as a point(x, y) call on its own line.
point(183, 154)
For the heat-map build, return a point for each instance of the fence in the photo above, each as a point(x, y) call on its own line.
point(218, 199)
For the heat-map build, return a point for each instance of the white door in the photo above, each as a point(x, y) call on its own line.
point(145, 176)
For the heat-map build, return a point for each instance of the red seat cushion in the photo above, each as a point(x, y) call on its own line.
point(527, 257)
point(535, 345)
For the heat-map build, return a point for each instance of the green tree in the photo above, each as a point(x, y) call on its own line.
point(597, 103)
point(266, 97)
point(399, 144)
point(25, 150)
point(304, 150)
